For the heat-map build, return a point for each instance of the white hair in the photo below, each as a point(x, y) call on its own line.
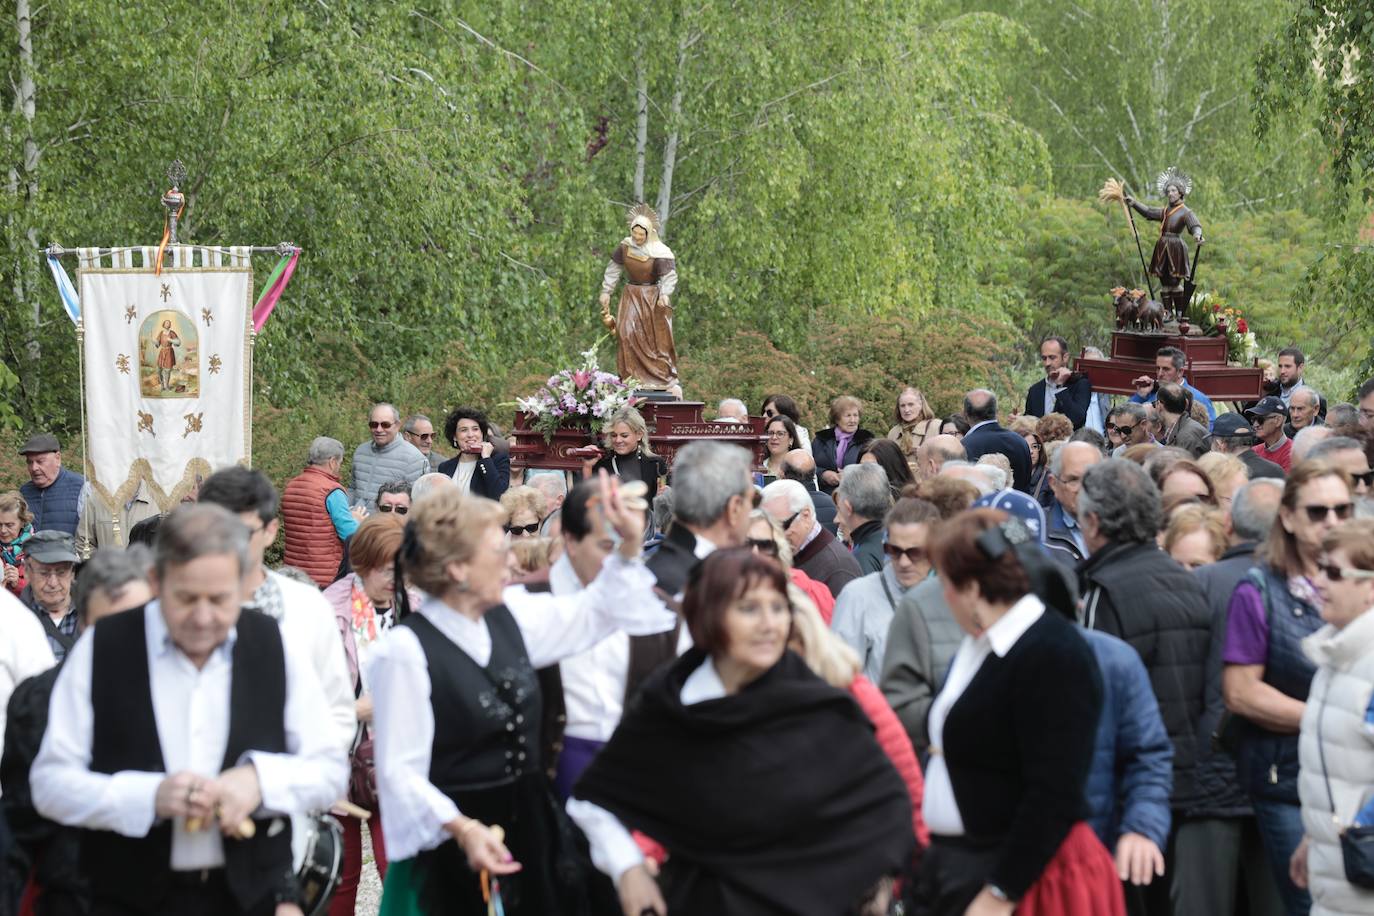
point(796, 495)
point(1307, 439)
point(994, 474)
point(427, 484)
point(973, 473)
point(732, 405)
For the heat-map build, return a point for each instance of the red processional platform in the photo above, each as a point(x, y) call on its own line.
point(672, 424)
point(1133, 355)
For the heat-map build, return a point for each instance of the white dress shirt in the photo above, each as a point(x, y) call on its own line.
point(554, 627)
point(938, 806)
point(593, 681)
point(24, 650)
point(614, 850)
point(191, 709)
point(310, 629)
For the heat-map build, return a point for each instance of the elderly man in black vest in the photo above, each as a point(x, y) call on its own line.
point(182, 734)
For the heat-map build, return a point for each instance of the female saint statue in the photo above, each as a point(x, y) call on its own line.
point(644, 323)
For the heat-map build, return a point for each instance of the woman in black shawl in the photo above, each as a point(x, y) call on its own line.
point(764, 783)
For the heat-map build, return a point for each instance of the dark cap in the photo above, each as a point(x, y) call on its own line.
point(51, 546)
point(1230, 426)
point(42, 442)
point(1267, 407)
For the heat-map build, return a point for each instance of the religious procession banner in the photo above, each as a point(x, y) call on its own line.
point(167, 359)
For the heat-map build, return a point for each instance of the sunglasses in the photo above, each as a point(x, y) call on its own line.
point(1335, 573)
point(792, 518)
point(762, 545)
point(523, 529)
point(422, 436)
point(1316, 514)
point(912, 554)
point(1120, 430)
point(1366, 478)
point(399, 510)
point(379, 424)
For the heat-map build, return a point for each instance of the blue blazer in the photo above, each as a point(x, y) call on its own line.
point(1072, 402)
point(995, 438)
point(491, 477)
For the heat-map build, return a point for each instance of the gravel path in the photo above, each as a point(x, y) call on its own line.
point(369, 885)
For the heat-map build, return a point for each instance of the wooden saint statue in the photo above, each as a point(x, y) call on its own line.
point(643, 324)
point(1170, 259)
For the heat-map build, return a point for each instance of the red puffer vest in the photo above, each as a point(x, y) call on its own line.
point(312, 544)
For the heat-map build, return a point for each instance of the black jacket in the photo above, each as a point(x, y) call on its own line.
point(635, 467)
point(491, 477)
point(823, 450)
point(868, 546)
point(995, 438)
point(1258, 466)
point(1137, 593)
point(1219, 791)
point(674, 560)
point(1019, 744)
point(1072, 401)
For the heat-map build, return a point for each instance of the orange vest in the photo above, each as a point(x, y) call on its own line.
point(312, 544)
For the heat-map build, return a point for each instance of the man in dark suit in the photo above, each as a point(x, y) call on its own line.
point(1061, 390)
point(712, 498)
point(798, 465)
point(986, 435)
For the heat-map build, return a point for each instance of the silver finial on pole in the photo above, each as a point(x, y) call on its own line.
point(174, 200)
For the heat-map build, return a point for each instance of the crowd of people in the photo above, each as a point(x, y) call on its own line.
point(1082, 657)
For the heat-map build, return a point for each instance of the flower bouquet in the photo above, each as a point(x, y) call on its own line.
point(1215, 318)
point(585, 397)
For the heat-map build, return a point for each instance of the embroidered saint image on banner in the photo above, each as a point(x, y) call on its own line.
point(168, 356)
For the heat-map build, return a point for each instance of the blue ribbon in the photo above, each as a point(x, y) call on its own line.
point(70, 300)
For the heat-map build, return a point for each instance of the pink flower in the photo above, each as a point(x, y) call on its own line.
point(582, 379)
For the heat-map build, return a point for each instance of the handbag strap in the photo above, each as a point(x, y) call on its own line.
point(1321, 754)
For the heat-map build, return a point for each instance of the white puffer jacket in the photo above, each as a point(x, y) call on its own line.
point(1339, 701)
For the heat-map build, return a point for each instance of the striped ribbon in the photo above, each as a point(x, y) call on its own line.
point(274, 287)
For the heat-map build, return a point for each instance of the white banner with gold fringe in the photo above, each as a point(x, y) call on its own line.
point(168, 372)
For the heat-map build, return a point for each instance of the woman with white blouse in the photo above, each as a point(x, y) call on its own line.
point(452, 769)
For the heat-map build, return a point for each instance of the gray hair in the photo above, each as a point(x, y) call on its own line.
point(551, 485)
point(979, 405)
point(1136, 412)
point(392, 486)
point(1330, 445)
point(395, 414)
point(663, 509)
point(324, 450)
point(705, 476)
point(427, 484)
point(797, 496)
point(1309, 438)
point(1057, 459)
point(108, 571)
point(196, 530)
point(1252, 519)
point(995, 472)
point(1124, 499)
point(866, 488)
point(967, 470)
point(732, 404)
point(1342, 415)
point(1309, 391)
point(409, 425)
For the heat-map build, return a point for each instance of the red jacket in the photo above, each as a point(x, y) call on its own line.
point(817, 592)
point(895, 743)
point(312, 544)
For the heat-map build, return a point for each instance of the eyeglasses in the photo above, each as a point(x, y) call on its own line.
point(1121, 430)
point(1316, 514)
point(912, 554)
point(523, 529)
point(422, 436)
point(399, 510)
point(1335, 573)
point(762, 545)
point(52, 573)
point(777, 433)
point(379, 424)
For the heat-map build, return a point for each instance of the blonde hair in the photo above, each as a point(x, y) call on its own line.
point(524, 497)
point(1189, 519)
point(779, 539)
point(532, 555)
point(445, 527)
point(1022, 426)
point(841, 404)
point(635, 420)
point(1355, 537)
point(1221, 467)
point(824, 653)
point(11, 501)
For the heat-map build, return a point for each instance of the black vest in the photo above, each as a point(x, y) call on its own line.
point(135, 872)
point(1268, 761)
point(486, 720)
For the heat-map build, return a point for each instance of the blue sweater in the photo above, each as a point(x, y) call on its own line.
point(1131, 778)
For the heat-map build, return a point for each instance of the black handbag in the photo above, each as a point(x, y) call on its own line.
point(1357, 842)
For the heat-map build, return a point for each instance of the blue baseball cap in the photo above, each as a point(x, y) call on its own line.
point(1017, 505)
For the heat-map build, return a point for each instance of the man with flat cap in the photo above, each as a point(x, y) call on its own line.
point(1233, 435)
point(55, 495)
point(49, 567)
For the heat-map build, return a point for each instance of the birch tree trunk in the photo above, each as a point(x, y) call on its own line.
point(665, 187)
point(641, 124)
point(24, 179)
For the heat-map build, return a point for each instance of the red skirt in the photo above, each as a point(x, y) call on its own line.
point(1080, 880)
